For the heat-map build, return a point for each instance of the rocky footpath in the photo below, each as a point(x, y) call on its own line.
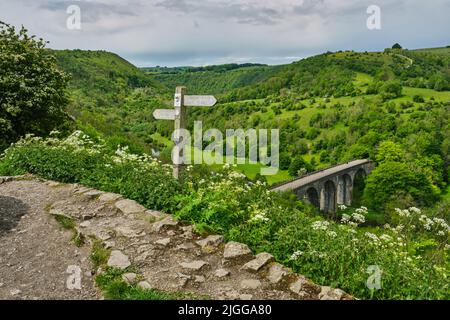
point(168, 255)
point(35, 252)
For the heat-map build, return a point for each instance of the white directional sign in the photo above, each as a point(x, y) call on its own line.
point(164, 114)
point(177, 100)
point(181, 101)
point(199, 101)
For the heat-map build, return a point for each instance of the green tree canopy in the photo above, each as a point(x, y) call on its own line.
point(32, 89)
point(299, 164)
point(389, 151)
point(391, 178)
point(392, 89)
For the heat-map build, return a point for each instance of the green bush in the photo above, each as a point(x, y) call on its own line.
point(418, 98)
point(391, 90)
point(78, 159)
point(299, 167)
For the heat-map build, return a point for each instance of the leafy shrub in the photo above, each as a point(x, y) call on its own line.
point(78, 159)
point(391, 90)
point(418, 98)
point(299, 167)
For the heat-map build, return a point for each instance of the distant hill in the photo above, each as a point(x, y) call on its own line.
point(215, 68)
point(325, 75)
point(111, 97)
point(213, 79)
point(107, 78)
point(438, 50)
point(102, 76)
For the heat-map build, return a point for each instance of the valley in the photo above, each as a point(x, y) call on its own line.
point(85, 118)
point(330, 108)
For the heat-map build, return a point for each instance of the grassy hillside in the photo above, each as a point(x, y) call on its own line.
point(328, 131)
point(213, 68)
point(111, 98)
point(329, 108)
point(101, 77)
point(339, 106)
point(324, 75)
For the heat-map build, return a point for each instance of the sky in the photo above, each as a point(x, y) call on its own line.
point(205, 32)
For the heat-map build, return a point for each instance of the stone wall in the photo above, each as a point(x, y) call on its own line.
point(168, 255)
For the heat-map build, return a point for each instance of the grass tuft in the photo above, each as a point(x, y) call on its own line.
point(65, 222)
point(115, 288)
point(99, 255)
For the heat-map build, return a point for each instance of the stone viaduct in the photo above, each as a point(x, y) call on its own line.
point(328, 188)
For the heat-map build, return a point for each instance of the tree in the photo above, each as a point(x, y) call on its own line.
point(397, 46)
point(391, 178)
point(441, 84)
point(373, 88)
point(32, 98)
point(297, 165)
point(358, 151)
point(418, 98)
point(389, 151)
point(301, 147)
point(391, 90)
point(285, 160)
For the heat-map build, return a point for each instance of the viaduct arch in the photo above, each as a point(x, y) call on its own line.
point(326, 189)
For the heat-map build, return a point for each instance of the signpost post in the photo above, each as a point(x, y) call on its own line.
point(178, 114)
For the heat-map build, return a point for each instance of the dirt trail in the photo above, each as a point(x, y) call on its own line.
point(35, 252)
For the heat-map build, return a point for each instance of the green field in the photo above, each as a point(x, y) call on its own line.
point(252, 170)
point(409, 93)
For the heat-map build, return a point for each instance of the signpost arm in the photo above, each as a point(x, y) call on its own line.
point(178, 114)
point(180, 123)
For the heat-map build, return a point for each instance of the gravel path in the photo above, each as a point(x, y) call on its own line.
point(35, 252)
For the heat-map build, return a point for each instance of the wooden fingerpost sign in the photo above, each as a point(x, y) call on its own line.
point(178, 114)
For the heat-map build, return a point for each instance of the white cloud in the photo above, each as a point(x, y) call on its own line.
point(181, 32)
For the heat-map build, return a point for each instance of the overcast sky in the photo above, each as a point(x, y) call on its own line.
point(202, 32)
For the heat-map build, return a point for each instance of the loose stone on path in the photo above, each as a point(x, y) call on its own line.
point(259, 262)
point(236, 252)
point(212, 241)
point(109, 197)
point(118, 260)
point(250, 284)
point(129, 207)
point(277, 273)
point(194, 265)
point(164, 224)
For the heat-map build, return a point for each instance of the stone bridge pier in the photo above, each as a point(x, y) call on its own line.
point(331, 187)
